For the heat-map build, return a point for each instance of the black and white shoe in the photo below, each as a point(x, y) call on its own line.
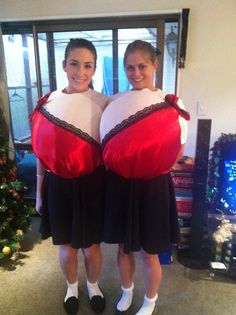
point(97, 303)
point(122, 312)
point(71, 305)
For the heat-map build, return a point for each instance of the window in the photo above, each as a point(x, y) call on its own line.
point(36, 68)
point(21, 77)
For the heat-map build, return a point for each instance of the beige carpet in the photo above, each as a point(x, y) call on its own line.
point(34, 285)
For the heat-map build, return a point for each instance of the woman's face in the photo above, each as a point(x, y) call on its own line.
point(80, 68)
point(140, 70)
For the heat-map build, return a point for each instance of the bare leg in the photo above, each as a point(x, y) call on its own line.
point(93, 265)
point(68, 258)
point(126, 265)
point(152, 279)
point(152, 272)
point(93, 262)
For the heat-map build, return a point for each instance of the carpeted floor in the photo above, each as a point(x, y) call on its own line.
point(34, 284)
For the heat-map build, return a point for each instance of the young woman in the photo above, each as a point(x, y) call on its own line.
point(143, 132)
point(70, 175)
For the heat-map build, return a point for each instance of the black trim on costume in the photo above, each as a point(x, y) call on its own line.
point(133, 119)
point(68, 127)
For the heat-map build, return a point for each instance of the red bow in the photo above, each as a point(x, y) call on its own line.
point(41, 101)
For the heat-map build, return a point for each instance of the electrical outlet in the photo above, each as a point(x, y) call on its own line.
point(200, 109)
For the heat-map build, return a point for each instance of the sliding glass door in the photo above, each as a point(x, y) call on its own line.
point(34, 56)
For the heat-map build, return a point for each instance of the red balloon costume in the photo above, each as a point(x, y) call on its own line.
point(141, 134)
point(63, 138)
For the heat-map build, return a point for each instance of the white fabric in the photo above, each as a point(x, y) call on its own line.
point(126, 299)
point(93, 289)
point(82, 110)
point(148, 306)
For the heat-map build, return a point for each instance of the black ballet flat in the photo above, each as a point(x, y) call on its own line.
point(127, 312)
point(122, 312)
point(153, 312)
point(98, 304)
point(71, 305)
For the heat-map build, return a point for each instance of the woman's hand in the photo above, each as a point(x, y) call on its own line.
point(40, 187)
point(38, 205)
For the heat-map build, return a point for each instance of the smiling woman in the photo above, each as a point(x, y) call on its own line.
point(65, 139)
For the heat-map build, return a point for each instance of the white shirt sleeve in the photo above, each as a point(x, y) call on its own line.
point(183, 124)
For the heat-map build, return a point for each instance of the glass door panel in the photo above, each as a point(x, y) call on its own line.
point(21, 80)
point(43, 62)
point(170, 57)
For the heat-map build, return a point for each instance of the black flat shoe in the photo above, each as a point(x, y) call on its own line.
point(127, 312)
point(122, 312)
point(153, 312)
point(71, 305)
point(98, 304)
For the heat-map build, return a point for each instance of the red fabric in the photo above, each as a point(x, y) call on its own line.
point(41, 101)
point(173, 100)
point(61, 151)
point(146, 149)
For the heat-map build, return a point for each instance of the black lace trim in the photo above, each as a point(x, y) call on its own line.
point(132, 119)
point(63, 124)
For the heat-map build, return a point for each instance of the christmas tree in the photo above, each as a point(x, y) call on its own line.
point(14, 211)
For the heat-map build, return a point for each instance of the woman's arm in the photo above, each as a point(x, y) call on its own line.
point(39, 188)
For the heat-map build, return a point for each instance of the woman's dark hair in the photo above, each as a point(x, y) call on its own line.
point(143, 46)
point(81, 43)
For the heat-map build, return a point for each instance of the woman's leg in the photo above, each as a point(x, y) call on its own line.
point(68, 258)
point(152, 272)
point(93, 262)
point(93, 266)
point(126, 265)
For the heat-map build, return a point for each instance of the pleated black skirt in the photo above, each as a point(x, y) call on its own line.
point(141, 214)
point(73, 209)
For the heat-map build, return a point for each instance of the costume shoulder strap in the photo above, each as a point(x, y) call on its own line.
point(172, 99)
point(41, 101)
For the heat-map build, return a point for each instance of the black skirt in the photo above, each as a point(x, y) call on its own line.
point(73, 209)
point(141, 213)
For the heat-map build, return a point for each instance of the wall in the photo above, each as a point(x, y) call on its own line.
point(209, 76)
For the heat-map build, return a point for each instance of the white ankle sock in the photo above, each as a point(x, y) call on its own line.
point(72, 290)
point(126, 299)
point(148, 306)
point(93, 289)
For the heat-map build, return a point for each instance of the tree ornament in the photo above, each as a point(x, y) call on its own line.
point(6, 250)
